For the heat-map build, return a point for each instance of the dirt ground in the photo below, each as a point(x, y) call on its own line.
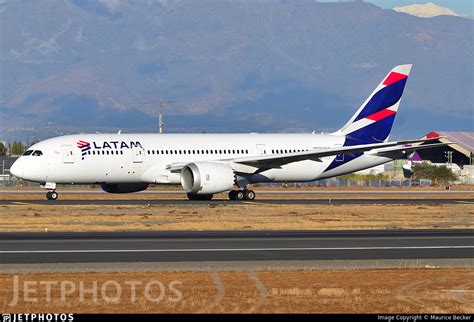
point(321, 291)
point(244, 216)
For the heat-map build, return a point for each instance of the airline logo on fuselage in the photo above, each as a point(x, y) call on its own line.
point(116, 145)
point(106, 145)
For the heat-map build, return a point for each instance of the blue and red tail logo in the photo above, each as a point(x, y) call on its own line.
point(373, 121)
point(84, 146)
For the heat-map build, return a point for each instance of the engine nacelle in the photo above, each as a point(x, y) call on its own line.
point(123, 187)
point(207, 177)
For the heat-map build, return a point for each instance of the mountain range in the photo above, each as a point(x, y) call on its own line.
point(71, 66)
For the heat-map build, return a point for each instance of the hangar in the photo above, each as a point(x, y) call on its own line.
point(460, 153)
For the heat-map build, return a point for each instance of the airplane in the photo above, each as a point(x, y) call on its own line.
point(206, 164)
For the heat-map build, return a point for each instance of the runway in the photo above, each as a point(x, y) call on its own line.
point(279, 201)
point(265, 192)
point(233, 246)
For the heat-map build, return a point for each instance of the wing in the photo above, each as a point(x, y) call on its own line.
point(277, 160)
point(390, 152)
point(269, 161)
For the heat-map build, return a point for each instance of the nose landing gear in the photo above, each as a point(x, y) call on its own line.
point(52, 195)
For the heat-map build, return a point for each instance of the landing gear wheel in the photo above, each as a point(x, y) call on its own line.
point(249, 195)
point(239, 195)
point(233, 195)
point(52, 195)
point(242, 195)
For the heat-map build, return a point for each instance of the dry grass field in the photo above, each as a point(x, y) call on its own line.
point(24, 216)
point(322, 291)
point(245, 216)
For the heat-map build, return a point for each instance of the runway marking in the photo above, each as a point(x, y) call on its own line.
point(184, 250)
point(465, 202)
point(23, 203)
point(254, 203)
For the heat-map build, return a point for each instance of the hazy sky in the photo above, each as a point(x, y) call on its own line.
point(462, 7)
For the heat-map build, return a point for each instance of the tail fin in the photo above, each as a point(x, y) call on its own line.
point(374, 119)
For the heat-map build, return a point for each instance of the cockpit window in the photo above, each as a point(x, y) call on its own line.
point(28, 152)
point(37, 153)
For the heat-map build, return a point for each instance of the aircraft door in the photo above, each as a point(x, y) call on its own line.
point(68, 156)
point(261, 149)
point(138, 153)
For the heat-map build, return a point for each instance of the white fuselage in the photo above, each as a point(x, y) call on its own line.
point(133, 158)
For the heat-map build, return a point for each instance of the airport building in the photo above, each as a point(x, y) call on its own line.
point(461, 152)
point(458, 156)
point(5, 165)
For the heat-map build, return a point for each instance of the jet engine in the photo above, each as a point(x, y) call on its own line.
point(124, 187)
point(207, 178)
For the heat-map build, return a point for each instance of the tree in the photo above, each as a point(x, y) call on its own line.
point(3, 149)
point(16, 148)
point(364, 177)
point(425, 170)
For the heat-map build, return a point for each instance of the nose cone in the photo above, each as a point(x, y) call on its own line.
point(17, 168)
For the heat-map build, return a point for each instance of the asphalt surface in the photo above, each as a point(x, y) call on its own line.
point(266, 192)
point(233, 246)
point(280, 201)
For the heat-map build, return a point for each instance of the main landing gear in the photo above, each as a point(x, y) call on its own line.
point(52, 195)
point(242, 195)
